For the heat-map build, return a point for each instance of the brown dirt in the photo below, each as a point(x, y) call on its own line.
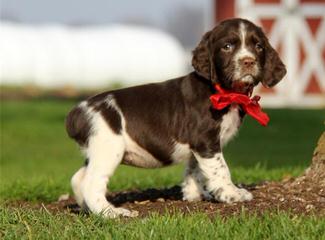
point(297, 197)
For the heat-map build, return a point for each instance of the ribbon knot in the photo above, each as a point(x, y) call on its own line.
point(223, 98)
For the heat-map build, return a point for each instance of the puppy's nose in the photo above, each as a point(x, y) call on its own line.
point(248, 61)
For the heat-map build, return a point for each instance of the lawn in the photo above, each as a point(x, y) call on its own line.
point(38, 160)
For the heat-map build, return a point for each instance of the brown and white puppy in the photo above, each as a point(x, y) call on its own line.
point(159, 124)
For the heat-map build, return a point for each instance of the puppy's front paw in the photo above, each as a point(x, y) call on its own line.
point(126, 213)
point(119, 212)
point(191, 195)
point(232, 194)
point(191, 190)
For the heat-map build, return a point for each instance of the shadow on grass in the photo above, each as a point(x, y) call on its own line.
point(153, 195)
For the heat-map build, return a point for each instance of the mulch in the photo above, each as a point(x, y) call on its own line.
point(298, 197)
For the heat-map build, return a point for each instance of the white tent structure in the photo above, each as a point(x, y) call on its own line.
point(54, 56)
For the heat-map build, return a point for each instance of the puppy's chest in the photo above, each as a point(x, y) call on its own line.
point(230, 123)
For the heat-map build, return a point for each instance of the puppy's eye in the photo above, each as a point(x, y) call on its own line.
point(259, 47)
point(228, 47)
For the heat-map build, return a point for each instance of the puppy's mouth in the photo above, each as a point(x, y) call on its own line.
point(243, 87)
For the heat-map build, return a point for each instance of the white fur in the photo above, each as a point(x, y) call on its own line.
point(243, 52)
point(76, 182)
point(229, 125)
point(105, 152)
point(181, 153)
point(192, 186)
point(218, 180)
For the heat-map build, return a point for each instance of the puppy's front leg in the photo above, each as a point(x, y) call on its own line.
point(192, 187)
point(218, 179)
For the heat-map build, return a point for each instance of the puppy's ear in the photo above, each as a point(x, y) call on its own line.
point(202, 60)
point(274, 69)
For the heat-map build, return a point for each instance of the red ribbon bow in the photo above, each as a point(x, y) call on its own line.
point(223, 98)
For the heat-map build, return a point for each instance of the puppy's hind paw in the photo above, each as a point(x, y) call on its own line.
point(232, 194)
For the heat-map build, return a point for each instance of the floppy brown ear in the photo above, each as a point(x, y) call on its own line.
point(274, 69)
point(202, 59)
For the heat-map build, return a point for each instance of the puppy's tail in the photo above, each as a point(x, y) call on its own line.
point(78, 126)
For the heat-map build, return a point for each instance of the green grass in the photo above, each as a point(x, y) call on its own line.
point(38, 160)
point(25, 223)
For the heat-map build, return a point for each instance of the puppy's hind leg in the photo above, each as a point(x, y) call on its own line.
point(76, 182)
point(105, 152)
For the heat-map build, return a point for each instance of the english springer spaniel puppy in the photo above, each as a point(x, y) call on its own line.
point(160, 124)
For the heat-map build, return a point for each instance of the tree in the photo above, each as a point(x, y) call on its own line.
point(315, 174)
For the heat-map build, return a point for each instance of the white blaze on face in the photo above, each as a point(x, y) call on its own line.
point(243, 52)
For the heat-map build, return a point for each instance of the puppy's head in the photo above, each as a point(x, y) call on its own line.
point(237, 55)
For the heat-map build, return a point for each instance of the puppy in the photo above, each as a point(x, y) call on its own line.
point(160, 124)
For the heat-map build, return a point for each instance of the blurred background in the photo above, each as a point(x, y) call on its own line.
point(94, 44)
point(55, 53)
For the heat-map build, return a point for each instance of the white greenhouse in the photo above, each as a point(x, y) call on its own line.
point(94, 56)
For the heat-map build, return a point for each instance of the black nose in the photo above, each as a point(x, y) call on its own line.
point(248, 62)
